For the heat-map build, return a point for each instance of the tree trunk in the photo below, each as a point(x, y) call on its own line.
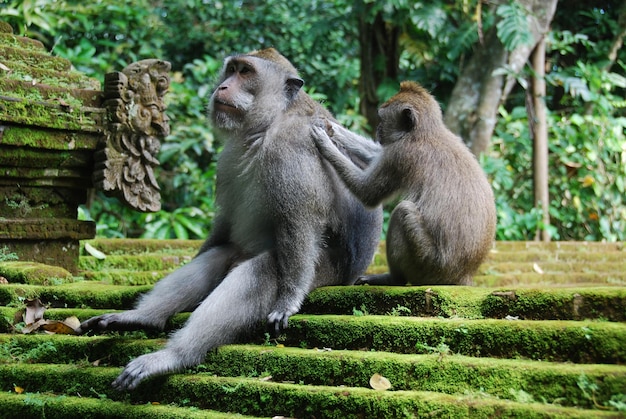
point(473, 105)
point(537, 118)
point(380, 58)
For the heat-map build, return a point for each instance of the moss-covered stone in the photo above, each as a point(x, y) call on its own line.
point(131, 262)
point(447, 351)
point(262, 398)
point(34, 273)
point(53, 406)
point(603, 342)
point(143, 246)
point(78, 294)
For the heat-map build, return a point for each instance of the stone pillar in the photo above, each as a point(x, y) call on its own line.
point(60, 136)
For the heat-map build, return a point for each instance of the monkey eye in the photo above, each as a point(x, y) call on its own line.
point(245, 70)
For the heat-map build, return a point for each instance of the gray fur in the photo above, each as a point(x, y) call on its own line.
point(286, 224)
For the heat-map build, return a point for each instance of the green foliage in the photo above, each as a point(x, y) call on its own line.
point(585, 97)
point(6, 254)
point(513, 28)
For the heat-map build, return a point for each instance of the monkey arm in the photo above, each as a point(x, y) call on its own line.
point(371, 185)
point(220, 234)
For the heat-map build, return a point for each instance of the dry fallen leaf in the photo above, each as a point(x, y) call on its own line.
point(65, 327)
point(58, 327)
point(34, 311)
point(378, 382)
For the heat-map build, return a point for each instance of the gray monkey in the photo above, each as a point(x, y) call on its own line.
point(285, 225)
point(444, 226)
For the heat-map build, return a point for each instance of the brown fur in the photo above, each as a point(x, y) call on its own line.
point(444, 225)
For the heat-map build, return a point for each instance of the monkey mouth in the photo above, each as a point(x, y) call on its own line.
point(224, 106)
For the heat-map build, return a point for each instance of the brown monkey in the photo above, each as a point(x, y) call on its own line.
point(285, 225)
point(444, 226)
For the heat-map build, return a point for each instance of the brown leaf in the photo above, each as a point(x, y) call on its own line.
point(34, 311)
point(58, 327)
point(33, 327)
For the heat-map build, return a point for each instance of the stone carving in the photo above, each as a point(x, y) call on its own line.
point(136, 123)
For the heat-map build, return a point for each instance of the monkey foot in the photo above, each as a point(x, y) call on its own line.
point(146, 366)
point(278, 321)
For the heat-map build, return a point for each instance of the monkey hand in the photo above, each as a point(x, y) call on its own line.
point(278, 321)
point(114, 321)
point(145, 366)
point(321, 138)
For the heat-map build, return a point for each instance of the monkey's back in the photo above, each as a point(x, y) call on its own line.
point(457, 208)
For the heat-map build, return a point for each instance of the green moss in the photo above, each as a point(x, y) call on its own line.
point(31, 137)
point(133, 262)
point(126, 277)
point(51, 115)
point(453, 374)
point(52, 406)
point(420, 301)
point(34, 273)
point(558, 304)
point(267, 399)
point(604, 342)
point(143, 246)
point(78, 294)
point(35, 59)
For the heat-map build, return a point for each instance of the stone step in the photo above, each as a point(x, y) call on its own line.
point(447, 351)
point(440, 372)
point(260, 397)
point(562, 340)
point(581, 342)
point(50, 406)
point(556, 303)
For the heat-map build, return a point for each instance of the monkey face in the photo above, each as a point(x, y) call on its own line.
point(233, 98)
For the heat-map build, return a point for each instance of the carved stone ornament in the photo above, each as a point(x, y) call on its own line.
point(136, 123)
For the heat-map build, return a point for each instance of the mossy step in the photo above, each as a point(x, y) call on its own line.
point(77, 294)
point(263, 398)
point(574, 341)
point(578, 246)
point(146, 262)
point(31, 137)
point(22, 72)
point(562, 256)
point(557, 303)
point(9, 39)
point(50, 406)
point(34, 273)
point(615, 279)
point(590, 342)
point(605, 303)
point(552, 267)
point(34, 59)
point(51, 114)
point(126, 277)
point(142, 246)
point(446, 373)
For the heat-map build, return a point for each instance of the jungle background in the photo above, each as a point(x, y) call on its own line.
point(352, 56)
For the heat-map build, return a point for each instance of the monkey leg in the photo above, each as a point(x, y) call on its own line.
point(239, 302)
point(181, 290)
point(411, 253)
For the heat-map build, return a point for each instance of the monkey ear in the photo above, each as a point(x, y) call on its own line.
point(292, 87)
point(408, 119)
